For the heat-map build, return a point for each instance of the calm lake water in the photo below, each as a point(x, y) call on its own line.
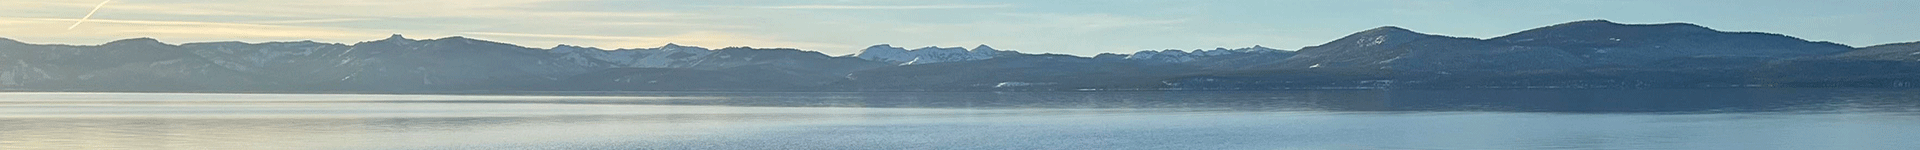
point(1328, 119)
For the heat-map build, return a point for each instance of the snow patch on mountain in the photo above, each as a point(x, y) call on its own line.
point(926, 55)
point(1179, 56)
point(666, 56)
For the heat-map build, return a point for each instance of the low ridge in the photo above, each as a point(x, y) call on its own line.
point(1580, 54)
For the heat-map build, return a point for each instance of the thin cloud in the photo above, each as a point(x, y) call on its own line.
point(152, 22)
point(689, 38)
point(568, 36)
point(885, 6)
point(1094, 22)
point(366, 9)
point(669, 24)
point(307, 21)
point(175, 30)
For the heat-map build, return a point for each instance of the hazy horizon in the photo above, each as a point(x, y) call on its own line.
point(845, 27)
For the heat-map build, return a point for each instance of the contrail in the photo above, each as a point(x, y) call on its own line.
point(89, 14)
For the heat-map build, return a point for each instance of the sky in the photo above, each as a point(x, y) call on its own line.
point(837, 27)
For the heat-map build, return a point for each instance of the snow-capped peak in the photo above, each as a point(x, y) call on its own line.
point(924, 55)
point(884, 53)
point(1179, 56)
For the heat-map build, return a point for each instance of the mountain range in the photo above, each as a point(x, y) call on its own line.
point(1581, 54)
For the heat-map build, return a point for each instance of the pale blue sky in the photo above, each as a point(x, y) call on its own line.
point(837, 27)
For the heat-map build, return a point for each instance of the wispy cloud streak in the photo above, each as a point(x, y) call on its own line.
point(96, 8)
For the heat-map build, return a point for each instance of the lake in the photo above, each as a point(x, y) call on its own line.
point(1767, 118)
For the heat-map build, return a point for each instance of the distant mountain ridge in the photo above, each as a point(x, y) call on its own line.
point(1580, 54)
point(928, 55)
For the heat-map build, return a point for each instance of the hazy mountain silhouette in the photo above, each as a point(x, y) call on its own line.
point(1581, 54)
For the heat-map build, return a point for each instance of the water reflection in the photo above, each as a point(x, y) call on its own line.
point(1339, 119)
point(1505, 100)
point(308, 129)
